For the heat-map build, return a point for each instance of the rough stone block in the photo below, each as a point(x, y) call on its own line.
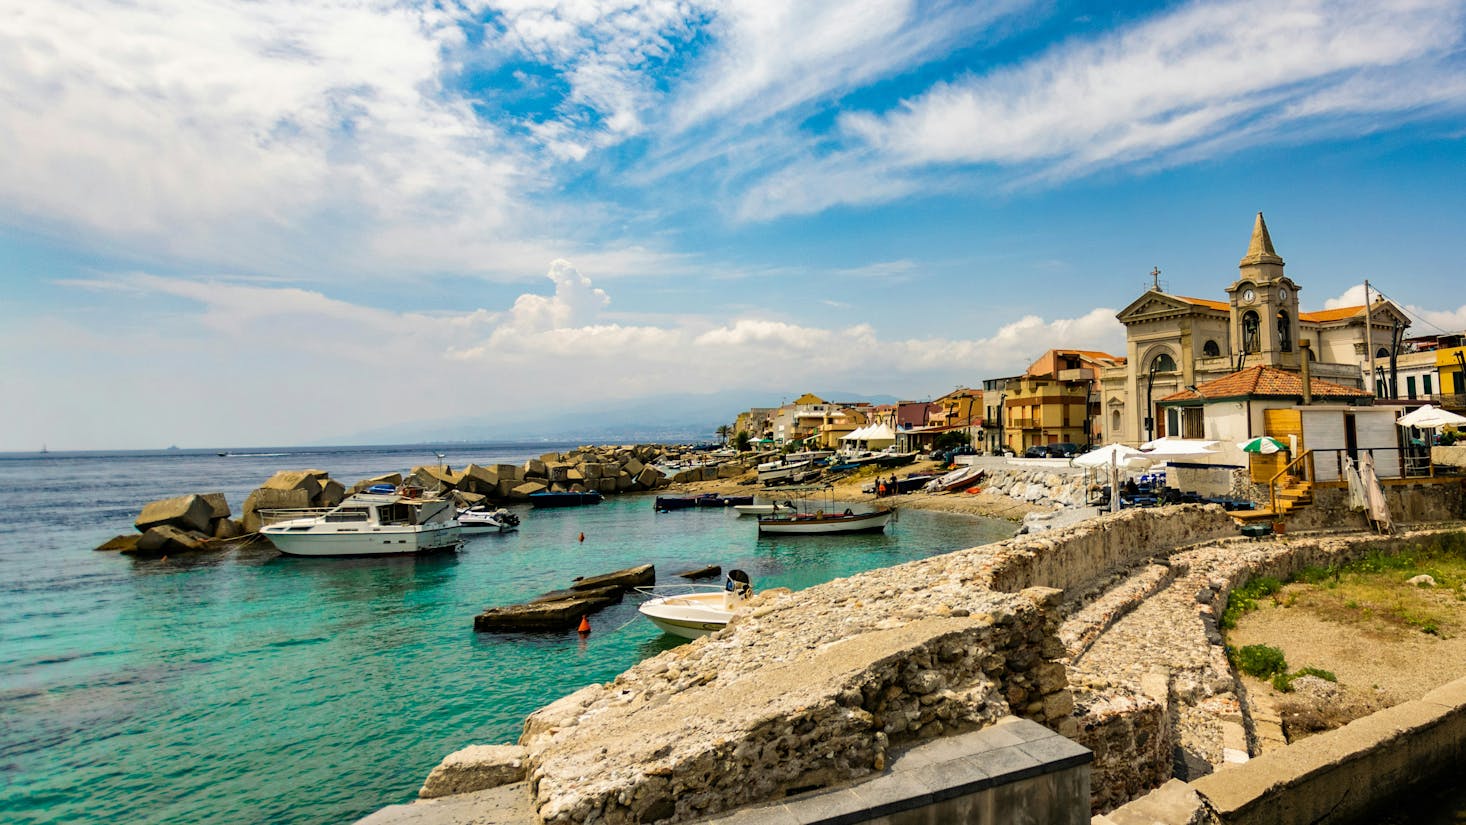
point(270, 499)
point(475, 768)
point(648, 477)
point(165, 539)
point(218, 504)
point(633, 466)
point(189, 512)
point(534, 468)
point(527, 489)
point(227, 528)
point(308, 480)
point(121, 544)
point(332, 493)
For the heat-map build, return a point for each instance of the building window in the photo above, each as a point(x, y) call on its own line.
point(1163, 363)
point(1426, 380)
point(1382, 353)
point(1285, 331)
point(1115, 421)
point(1210, 349)
point(1251, 337)
point(1410, 387)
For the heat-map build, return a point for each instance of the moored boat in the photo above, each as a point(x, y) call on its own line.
point(374, 523)
point(482, 520)
point(566, 499)
point(822, 523)
point(690, 610)
point(784, 471)
point(768, 509)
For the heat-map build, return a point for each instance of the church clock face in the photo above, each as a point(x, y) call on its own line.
point(1249, 296)
point(1283, 294)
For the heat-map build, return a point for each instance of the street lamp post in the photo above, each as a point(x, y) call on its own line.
point(1155, 365)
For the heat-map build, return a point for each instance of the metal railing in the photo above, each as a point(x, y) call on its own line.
point(1304, 462)
point(1413, 462)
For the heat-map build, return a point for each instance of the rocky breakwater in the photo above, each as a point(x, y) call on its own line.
point(1041, 486)
point(605, 469)
point(180, 524)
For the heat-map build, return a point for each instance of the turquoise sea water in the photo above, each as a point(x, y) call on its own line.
point(247, 687)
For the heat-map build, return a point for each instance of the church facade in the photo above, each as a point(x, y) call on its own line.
point(1174, 342)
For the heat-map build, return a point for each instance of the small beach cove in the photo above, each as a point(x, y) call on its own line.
point(245, 687)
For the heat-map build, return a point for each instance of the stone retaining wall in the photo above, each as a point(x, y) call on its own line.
point(1344, 775)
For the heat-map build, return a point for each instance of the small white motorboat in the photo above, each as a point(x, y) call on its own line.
point(480, 520)
point(690, 610)
point(380, 522)
point(764, 509)
point(784, 471)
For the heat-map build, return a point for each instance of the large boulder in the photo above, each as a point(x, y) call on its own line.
point(481, 480)
point(526, 489)
point(332, 493)
point(191, 512)
point(165, 539)
point(228, 528)
point(218, 504)
point(120, 544)
point(266, 498)
point(307, 480)
point(648, 477)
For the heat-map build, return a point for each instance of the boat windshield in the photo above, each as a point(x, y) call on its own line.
point(347, 514)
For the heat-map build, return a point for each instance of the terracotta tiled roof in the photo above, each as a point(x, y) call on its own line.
point(1204, 302)
point(1326, 315)
point(1267, 382)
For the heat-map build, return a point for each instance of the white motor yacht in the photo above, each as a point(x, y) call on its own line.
point(366, 524)
point(474, 521)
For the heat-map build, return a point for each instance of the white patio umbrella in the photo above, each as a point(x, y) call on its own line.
point(1169, 447)
point(1113, 456)
point(1430, 418)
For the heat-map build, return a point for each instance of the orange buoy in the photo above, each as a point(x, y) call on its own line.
point(584, 625)
point(582, 537)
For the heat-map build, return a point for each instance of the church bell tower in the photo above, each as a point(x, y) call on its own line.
point(1264, 305)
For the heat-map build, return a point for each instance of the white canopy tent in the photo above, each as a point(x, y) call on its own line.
point(871, 437)
point(1430, 418)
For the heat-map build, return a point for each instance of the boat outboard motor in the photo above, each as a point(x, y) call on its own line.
point(736, 588)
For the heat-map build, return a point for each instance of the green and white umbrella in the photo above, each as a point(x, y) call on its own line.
point(1263, 445)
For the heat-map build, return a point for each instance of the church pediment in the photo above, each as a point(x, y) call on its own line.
point(1155, 304)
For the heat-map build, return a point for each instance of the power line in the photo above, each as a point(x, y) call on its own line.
point(1407, 311)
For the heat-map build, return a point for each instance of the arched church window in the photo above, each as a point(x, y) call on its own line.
point(1163, 363)
point(1251, 332)
point(1115, 421)
point(1210, 349)
point(1285, 331)
point(1383, 353)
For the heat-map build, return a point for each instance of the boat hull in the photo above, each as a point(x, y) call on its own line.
point(872, 522)
point(380, 542)
point(689, 616)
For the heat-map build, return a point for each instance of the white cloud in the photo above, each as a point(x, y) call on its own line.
point(1426, 322)
point(1206, 79)
point(294, 363)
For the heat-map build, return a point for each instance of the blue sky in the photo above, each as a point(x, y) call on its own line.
point(269, 222)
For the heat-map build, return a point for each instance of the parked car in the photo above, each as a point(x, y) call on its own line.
point(1063, 449)
point(1036, 451)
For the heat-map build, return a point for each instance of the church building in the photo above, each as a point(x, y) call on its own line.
point(1174, 342)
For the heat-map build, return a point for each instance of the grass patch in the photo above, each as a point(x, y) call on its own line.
point(1261, 661)
point(1283, 682)
point(1372, 589)
point(1243, 599)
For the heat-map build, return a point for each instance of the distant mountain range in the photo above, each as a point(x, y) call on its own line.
point(662, 418)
